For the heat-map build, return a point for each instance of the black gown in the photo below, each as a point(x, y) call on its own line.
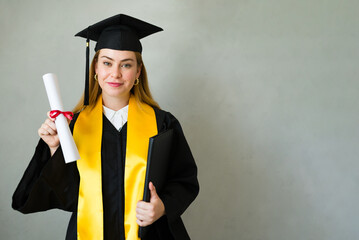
point(49, 183)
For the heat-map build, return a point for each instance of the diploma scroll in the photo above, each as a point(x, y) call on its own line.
point(67, 142)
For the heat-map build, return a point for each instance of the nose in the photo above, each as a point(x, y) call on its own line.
point(116, 72)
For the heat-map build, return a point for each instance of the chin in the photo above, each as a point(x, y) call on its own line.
point(116, 94)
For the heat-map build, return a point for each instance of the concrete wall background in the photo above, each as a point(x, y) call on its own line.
point(266, 92)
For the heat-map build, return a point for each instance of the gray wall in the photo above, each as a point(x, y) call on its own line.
point(266, 92)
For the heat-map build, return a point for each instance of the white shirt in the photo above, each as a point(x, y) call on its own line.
point(117, 118)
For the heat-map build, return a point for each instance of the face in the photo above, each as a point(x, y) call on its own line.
point(116, 73)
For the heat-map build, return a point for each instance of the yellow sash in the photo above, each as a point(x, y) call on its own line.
point(141, 125)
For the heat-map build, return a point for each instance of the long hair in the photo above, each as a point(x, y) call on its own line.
point(141, 91)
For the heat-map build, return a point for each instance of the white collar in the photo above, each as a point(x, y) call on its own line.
point(117, 118)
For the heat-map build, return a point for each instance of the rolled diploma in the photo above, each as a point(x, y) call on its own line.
point(67, 142)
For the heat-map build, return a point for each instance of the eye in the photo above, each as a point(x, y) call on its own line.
point(107, 63)
point(126, 65)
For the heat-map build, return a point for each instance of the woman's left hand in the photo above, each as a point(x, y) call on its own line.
point(148, 212)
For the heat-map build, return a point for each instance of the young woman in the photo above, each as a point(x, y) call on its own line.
point(104, 189)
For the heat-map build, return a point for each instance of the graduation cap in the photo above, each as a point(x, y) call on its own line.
point(120, 32)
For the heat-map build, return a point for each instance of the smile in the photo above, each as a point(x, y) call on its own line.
point(114, 84)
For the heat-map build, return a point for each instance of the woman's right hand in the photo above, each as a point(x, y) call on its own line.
point(48, 133)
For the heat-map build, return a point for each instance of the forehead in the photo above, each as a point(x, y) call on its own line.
point(117, 55)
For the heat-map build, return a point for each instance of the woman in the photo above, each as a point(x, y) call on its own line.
point(104, 188)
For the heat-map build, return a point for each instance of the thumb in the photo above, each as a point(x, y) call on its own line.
point(48, 115)
point(153, 191)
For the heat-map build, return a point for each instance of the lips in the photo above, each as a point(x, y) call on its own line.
point(114, 84)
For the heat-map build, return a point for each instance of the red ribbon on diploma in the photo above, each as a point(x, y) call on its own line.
point(55, 113)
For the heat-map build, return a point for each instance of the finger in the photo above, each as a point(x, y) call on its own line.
point(50, 128)
point(151, 186)
point(45, 130)
point(51, 124)
point(48, 115)
point(152, 190)
point(144, 219)
point(139, 222)
point(141, 216)
point(143, 212)
point(142, 223)
point(143, 205)
point(42, 132)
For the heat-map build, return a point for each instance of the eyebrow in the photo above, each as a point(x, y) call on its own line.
point(123, 60)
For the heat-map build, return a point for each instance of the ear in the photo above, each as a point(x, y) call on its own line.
point(139, 71)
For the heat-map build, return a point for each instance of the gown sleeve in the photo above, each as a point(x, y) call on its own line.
point(47, 183)
point(182, 186)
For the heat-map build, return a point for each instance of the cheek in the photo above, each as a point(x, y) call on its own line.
point(101, 72)
point(102, 76)
point(100, 79)
point(100, 83)
point(131, 75)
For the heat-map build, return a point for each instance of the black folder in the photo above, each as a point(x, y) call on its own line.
point(159, 151)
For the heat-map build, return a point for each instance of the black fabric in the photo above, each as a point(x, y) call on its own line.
point(49, 183)
point(120, 32)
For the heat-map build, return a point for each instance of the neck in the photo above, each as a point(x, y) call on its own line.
point(115, 103)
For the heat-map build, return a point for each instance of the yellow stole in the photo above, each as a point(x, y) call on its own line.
point(141, 125)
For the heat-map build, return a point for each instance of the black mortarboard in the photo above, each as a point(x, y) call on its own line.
point(120, 32)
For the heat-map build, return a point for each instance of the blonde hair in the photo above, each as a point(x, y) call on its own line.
point(141, 91)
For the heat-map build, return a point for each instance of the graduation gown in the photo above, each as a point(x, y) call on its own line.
point(49, 183)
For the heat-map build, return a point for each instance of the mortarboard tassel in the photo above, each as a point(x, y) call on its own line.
point(86, 94)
